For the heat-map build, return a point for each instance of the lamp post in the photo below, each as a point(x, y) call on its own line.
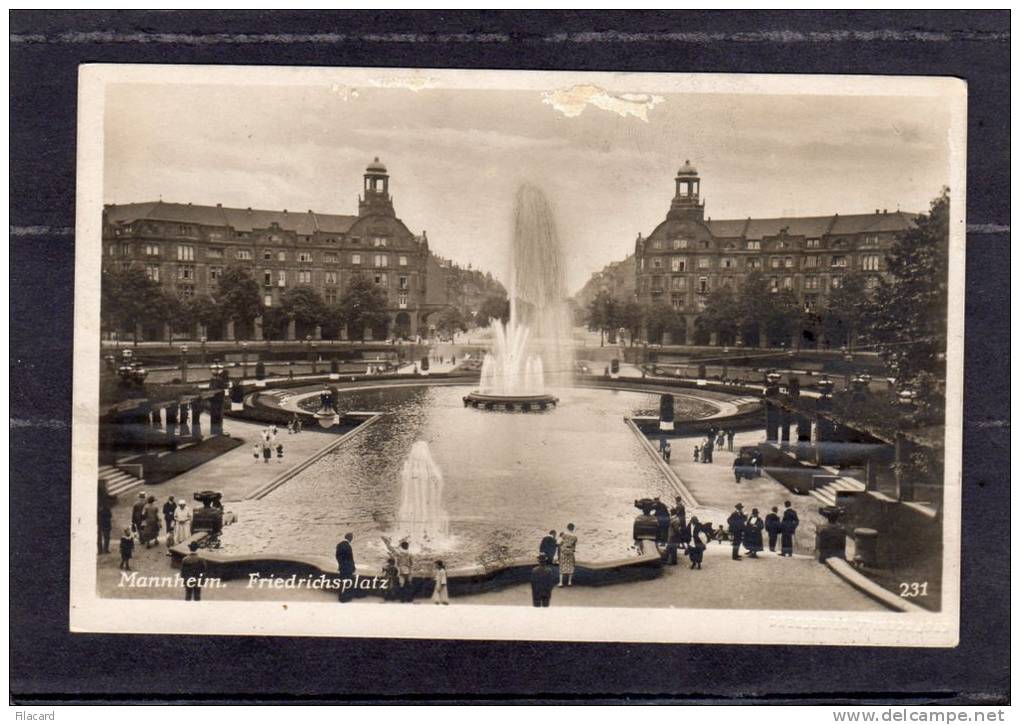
point(184, 363)
point(244, 359)
point(203, 340)
point(216, 375)
point(308, 345)
point(725, 363)
point(315, 367)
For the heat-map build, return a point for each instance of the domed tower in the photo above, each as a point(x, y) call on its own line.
point(687, 202)
point(377, 199)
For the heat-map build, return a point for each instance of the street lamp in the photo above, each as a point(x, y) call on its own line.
point(308, 345)
point(216, 373)
point(184, 363)
point(244, 359)
point(203, 340)
point(315, 368)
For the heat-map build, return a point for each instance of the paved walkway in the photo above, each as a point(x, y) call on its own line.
point(717, 491)
point(235, 474)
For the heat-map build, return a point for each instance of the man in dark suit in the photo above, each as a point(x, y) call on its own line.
point(773, 527)
point(736, 523)
point(192, 572)
point(543, 579)
point(788, 528)
point(345, 563)
point(548, 547)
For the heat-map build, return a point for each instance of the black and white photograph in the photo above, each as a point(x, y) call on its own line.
point(541, 355)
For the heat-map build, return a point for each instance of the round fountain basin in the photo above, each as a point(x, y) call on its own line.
point(523, 403)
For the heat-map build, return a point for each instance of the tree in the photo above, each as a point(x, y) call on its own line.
point(754, 303)
point(907, 318)
point(494, 307)
point(603, 314)
point(274, 323)
point(169, 309)
point(661, 318)
point(631, 315)
point(845, 309)
point(237, 294)
point(450, 321)
point(203, 310)
point(362, 305)
point(305, 305)
point(722, 315)
point(128, 298)
point(784, 317)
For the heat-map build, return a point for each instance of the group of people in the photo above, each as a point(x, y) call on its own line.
point(679, 534)
point(398, 573)
point(553, 550)
point(148, 519)
point(714, 438)
point(747, 465)
point(746, 530)
point(269, 441)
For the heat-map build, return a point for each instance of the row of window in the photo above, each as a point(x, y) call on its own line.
point(869, 262)
point(702, 285)
point(186, 253)
point(868, 240)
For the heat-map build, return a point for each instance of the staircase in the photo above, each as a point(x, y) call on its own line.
point(827, 493)
point(117, 481)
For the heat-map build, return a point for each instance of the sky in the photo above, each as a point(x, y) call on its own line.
point(455, 157)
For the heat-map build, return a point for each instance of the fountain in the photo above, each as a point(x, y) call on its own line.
point(534, 346)
point(421, 516)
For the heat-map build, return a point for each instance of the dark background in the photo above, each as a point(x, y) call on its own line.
point(48, 663)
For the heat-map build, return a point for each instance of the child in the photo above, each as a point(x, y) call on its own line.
point(697, 453)
point(127, 547)
point(667, 452)
point(279, 453)
point(255, 449)
point(440, 594)
point(390, 575)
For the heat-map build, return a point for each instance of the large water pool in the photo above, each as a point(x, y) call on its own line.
point(510, 477)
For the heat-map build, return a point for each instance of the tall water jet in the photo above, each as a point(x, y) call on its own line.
point(422, 516)
point(534, 347)
point(538, 287)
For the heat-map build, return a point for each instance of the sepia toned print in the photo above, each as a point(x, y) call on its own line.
point(634, 357)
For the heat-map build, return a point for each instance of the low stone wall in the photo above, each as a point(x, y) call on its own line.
point(462, 580)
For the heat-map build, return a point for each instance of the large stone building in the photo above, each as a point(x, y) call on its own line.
point(687, 256)
point(185, 247)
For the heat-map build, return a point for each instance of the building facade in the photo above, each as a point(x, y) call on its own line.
point(186, 247)
point(687, 256)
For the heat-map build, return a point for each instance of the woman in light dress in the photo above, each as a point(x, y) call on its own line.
point(182, 523)
point(567, 547)
point(440, 593)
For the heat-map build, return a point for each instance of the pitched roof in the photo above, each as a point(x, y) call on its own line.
point(244, 220)
point(812, 226)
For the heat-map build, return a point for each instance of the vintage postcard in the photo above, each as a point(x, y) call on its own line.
point(518, 355)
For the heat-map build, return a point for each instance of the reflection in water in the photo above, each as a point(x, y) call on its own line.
point(508, 479)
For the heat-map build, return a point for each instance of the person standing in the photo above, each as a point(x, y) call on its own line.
point(568, 546)
point(729, 439)
point(127, 548)
point(346, 567)
point(192, 572)
point(661, 521)
point(137, 513)
point(752, 534)
point(699, 542)
point(440, 590)
point(667, 452)
point(697, 454)
point(542, 578)
point(405, 565)
point(662, 447)
point(182, 522)
point(736, 523)
point(738, 468)
point(675, 538)
point(149, 531)
point(168, 515)
point(707, 450)
point(788, 527)
point(772, 527)
point(104, 523)
point(548, 546)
